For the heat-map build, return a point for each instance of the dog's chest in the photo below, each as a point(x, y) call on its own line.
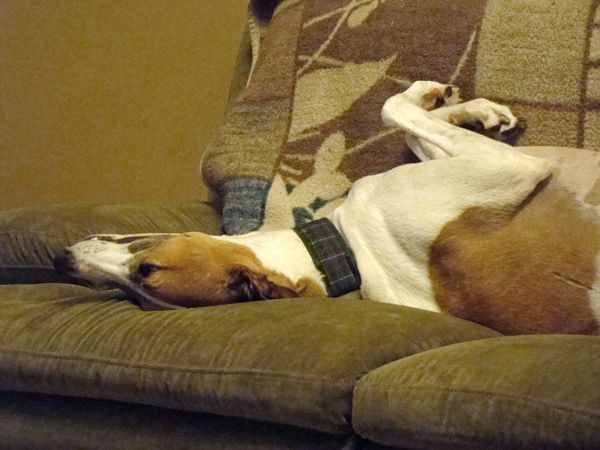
point(392, 220)
point(416, 201)
point(390, 238)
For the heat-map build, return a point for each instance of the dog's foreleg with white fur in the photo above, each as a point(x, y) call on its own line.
point(410, 205)
point(436, 134)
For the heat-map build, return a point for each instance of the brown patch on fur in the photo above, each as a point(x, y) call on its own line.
point(430, 99)
point(520, 272)
point(194, 269)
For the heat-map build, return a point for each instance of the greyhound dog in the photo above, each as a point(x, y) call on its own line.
point(478, 230)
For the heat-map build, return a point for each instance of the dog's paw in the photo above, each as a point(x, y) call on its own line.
point(431, 95)
point(507, 135)
point(485, 117)
point(490, 114)
point(486, 113)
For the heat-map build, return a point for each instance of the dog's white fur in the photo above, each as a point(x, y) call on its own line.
point(390, 220)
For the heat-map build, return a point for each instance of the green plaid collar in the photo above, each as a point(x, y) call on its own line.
point(331, 256)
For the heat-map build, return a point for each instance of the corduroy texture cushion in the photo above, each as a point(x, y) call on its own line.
point(308, 123)
point(510, 392)
point(30, 237)
point(34, 421)
point(291, 361)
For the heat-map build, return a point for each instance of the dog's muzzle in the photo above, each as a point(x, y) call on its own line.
point(103, 261)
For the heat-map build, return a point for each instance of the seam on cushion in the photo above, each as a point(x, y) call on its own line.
point(223, 372)
point(298, 422)
point(519, 398)
point(220, 410)
point(430, 437)
point(427, 436)
point(456, 437)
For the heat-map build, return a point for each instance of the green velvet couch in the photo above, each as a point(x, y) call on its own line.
point(83, 368)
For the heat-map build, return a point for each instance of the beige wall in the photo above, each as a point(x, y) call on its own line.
point(110, 101)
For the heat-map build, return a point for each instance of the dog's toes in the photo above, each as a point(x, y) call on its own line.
point(491, 115)
point(512, 135)
point(452, 95)
point(449, 96)
point(497, 132)
point(443, 95)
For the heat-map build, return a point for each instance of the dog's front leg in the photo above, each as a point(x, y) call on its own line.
point(488, 163)
point(438, 126)
point(435, 99)
point(434, 133)
point(489, 115)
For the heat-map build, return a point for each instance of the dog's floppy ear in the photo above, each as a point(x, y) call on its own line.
point(248, 285)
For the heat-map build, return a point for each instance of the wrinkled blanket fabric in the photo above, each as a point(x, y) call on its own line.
point(308, 123)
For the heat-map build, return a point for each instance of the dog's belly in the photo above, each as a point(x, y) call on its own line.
point(392, 219)
point(531, 272)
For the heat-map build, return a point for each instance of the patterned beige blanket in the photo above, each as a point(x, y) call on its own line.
point(308, 125)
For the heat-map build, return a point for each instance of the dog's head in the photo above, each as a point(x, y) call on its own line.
point(174, 271)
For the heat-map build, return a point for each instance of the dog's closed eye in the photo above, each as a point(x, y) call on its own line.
point(146, 269)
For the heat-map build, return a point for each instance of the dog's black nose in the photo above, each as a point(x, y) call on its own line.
point(64, 261)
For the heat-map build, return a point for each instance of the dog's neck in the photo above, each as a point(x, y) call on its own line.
point(284, 252)
point(331, 255)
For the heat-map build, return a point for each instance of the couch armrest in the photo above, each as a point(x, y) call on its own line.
point(30, 237)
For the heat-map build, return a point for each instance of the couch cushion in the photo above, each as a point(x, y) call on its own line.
point(286, 361)
point(509, 392)
point(30, 237)
point(308, 123)
point(49, 422)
